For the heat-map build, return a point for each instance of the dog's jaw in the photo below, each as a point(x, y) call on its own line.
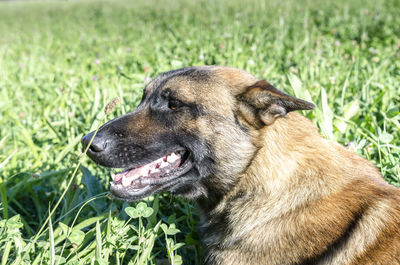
point(145, 180)
point(135, 177)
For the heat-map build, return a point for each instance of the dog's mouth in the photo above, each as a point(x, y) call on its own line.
point(141, 181)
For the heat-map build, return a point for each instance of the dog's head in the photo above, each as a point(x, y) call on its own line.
point(192, 134)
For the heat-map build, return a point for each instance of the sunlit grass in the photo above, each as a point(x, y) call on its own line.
point(62, 62)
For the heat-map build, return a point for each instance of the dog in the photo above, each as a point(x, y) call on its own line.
point(269, 188)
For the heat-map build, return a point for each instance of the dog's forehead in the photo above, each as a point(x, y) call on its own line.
point(184, 77)
point(195, 82)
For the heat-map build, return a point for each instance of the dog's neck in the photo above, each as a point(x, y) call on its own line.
point(290, 150)
point(289, 170)
point(281, 152)
point(293, 176)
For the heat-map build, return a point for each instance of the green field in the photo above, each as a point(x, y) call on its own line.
point(61, 62)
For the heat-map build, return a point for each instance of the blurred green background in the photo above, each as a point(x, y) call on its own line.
point(62, 61)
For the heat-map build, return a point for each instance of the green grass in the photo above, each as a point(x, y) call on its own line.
point(61, 62)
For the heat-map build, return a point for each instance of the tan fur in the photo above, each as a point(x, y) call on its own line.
point(289, 196)
point(307, 191)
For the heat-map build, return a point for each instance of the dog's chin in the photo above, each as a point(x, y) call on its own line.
point(157, 176)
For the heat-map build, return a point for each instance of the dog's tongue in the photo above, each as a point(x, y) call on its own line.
point(154, 169)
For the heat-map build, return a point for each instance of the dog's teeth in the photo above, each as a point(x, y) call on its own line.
point(142, 172)
point(173, 157)
point(112, 176)
point(155, 172)
point(164, 164)
point(126, 181)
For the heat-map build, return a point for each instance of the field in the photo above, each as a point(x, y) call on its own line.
point(62, 62)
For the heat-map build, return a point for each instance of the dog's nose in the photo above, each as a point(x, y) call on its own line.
point(98, 144)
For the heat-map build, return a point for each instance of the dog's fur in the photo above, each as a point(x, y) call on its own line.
point(270, 189)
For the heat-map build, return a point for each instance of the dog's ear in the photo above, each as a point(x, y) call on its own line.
point(270, 103)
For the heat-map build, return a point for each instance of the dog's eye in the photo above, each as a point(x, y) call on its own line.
point(174, 104)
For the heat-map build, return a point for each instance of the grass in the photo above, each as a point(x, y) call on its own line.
point(61, 62)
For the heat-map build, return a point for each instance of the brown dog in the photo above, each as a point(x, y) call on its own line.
point(270, 189)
